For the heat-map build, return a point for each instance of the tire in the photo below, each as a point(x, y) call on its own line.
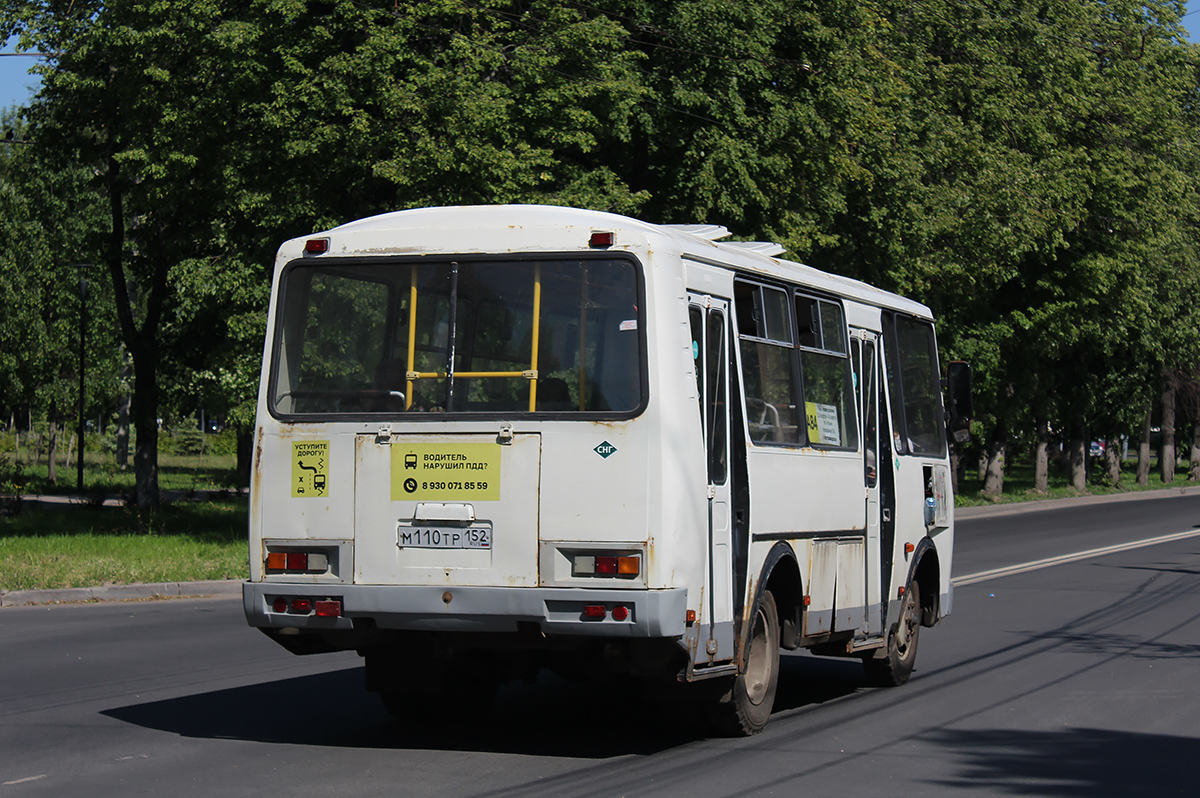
point(745, 707)
point(893, 669)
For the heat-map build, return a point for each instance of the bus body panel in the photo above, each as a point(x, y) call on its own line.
point(572, 489)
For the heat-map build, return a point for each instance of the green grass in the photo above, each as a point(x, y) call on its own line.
point(176, 472)
point(1019, 481)
point(55, 546)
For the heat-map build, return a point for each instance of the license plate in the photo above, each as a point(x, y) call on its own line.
point(443, 537)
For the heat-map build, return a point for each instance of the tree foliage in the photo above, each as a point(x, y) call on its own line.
point(1028, 169)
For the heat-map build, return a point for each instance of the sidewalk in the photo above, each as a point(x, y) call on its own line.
point(232, 587)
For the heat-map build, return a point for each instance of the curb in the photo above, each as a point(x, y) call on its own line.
point(157, 590)
point(1017, 508)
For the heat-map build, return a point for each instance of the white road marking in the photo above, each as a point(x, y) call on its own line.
point(1049, 562)
point(24, 780)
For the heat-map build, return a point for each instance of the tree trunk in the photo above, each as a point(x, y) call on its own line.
point(993, 483)
point(145, 424)
point(983, 465)
point(123, 425)
point(1194, 454)
point(245, 452)
point(1166, 458)
point(1078, 456)
point(1041, 458)
point(1112, 461)
point(52, 459)
point(1143, 466)
point(70, 449)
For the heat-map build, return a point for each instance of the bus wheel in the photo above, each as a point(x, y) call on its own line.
point(894, 669)
point(745, 708)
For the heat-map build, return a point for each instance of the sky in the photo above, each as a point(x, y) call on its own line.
point(16, 86)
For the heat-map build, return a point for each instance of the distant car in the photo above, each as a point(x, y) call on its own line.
point(1097, 449)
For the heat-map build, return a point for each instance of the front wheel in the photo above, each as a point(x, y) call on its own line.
point(744, 709)
point(893, 669)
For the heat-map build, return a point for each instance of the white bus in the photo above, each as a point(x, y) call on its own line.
point(497, 439)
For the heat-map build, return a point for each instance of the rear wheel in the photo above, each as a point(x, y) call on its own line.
point(745, 708)
point(894, 668)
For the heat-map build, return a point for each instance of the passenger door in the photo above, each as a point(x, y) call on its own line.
point(709, 319)
point(866, 365)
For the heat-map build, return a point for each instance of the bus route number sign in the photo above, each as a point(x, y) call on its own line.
point(446, 472)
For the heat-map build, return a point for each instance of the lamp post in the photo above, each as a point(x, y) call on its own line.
point(83, 290)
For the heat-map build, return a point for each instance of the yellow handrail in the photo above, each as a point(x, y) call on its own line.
point(412, 338)
point(530, 374)
point(537, 321)
point(441, 375)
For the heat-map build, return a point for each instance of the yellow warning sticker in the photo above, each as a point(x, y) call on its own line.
point(310, 469)
point(446, 472)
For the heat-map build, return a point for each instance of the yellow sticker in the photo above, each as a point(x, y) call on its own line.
point(446, 472)
point(823, 424)
point(310, 469)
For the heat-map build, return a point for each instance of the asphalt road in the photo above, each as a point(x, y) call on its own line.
point(1077, 679)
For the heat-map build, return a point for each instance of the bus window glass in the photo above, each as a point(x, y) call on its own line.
point(920, 387)
point(376, 337)
point(767, 363)
point(696, 322)
point(718, 416)
point(337, 343)
point(829, 399)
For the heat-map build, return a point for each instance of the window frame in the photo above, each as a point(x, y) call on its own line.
point(403, 263)
point(843, 354)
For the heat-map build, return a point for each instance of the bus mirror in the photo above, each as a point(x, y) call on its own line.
point(961, 400)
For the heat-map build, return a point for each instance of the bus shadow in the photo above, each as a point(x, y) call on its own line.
point(553, 717)
point(805, 680)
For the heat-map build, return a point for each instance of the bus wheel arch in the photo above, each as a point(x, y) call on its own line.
point(781, 576)
point(926, 573)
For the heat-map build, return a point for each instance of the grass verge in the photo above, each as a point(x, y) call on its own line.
point(1019, 481)
point(55, 546)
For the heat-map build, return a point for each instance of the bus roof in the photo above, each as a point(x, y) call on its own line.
point(695, 242)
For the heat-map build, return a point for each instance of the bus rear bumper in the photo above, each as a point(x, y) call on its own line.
point(439, 608)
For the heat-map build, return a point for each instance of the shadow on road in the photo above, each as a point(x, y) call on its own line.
point(1071, 762)
point(554, 717)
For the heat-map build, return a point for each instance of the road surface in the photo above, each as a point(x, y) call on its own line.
point(1074, 679)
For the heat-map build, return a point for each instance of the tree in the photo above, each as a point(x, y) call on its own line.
point(44, 216)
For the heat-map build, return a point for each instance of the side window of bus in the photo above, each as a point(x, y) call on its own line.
point(914, 384)
point(921, 386)
point(765, 340)
point(829, 399)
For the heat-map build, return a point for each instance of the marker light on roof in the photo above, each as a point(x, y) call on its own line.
point(316, 246)
point(601, 239)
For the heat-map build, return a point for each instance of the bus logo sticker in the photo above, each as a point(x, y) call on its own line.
point(605, 450)
point(445, 472)
point(310, 469)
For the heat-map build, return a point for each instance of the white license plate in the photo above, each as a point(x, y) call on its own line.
point(443, 537)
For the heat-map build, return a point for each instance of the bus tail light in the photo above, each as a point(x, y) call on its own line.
point(303, 605)
point(330, 608)
point(291, 561)
point(605, 564)
point(595, 612)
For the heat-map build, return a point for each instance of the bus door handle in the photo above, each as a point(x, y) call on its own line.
point(887, 515)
